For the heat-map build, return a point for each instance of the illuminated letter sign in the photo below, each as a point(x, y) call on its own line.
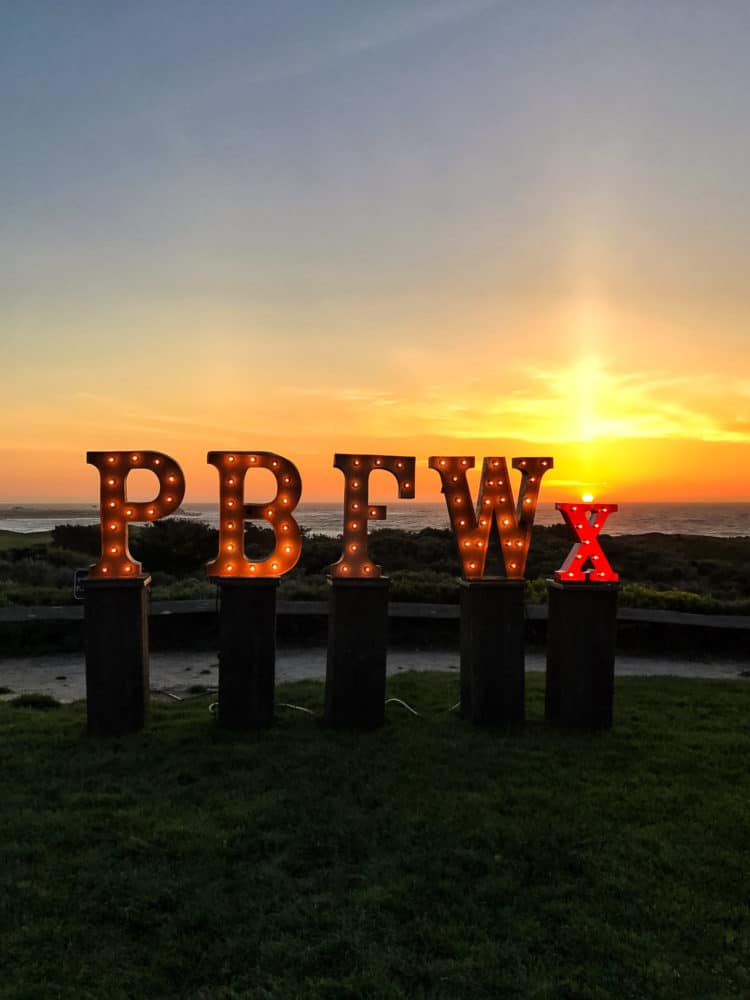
point(233, 512)
point(117, 511)
point(586, 520)
point(354, 561)
point(472, 531)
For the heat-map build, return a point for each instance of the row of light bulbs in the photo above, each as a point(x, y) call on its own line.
point(472, 528)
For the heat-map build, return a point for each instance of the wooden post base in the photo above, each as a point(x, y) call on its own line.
point(357, 649)
point(247, 652)
point(116, 650)
point(581, 633)
point(492, 651)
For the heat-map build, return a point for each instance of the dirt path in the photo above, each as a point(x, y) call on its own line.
point(176, 671)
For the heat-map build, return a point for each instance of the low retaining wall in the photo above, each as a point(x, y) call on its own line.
point(175, 624)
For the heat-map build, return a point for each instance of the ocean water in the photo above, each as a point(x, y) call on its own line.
point(719, 519)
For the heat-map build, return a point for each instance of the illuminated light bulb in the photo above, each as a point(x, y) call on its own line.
point(545, 463)
point(274, 565)
point(596, 524)
point(454, 479)
point(150, 511)
point(230, 547)
point(367, 569)
point(519, 545)
point(230, 503)
point(501, 482)
point(399, 465)
point(479, 545)
point(135, 458)
point(571, 574)
point(356, 462)
point(344, 569)
point(287, 548)
point(111, 482)
point(129, 512)
point(229, 567)
point(113, 527)
point(355, 506)
point(574, 507)
point(509, 545)
point(462, 523)
point(355, 484)
point(458, 500)
point(490, 482)
point(472, 565)
point(230, 525)
point(274, 464)
point(105, 569)
point(604, 510)
point(231, 481)
point(171, 479)
point(114, 550)
point(168, 499)
point(407, 486)
point(353, 547)
point(354, 525)
point(112, 503)
point(496, 464)
point(587, 541)
point(532, 479)
point(253, 460)
point(487, 503)
point(287, 480)
point(513, 565)
point(252, 567)
point(373, 512)
point(269, 512)
point(285, 527)
point(285, 500)
point(111, 459)
point(157, 461)
point(579, 526)
point(442, 461)
point(579, 556)
point(522, 462)
point(467, 544)
point(464, 461)
point(503, 499)
point(506, 520)
point(127, 568)
point(527, 500)
point(594, 558)
point(482, 522)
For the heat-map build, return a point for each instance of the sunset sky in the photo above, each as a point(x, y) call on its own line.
point(458, 226)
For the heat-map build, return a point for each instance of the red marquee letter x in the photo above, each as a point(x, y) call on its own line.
point(586, 520)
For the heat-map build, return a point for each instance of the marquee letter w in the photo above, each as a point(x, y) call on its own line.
point(514, 520)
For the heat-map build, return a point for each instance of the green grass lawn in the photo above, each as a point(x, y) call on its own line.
point(428, 859)
point(12, 539)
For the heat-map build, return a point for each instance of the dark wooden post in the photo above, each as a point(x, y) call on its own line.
point(247, 652)
point(116, 649)
point(492, 651)
point(581, 633)
point(357, 649)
